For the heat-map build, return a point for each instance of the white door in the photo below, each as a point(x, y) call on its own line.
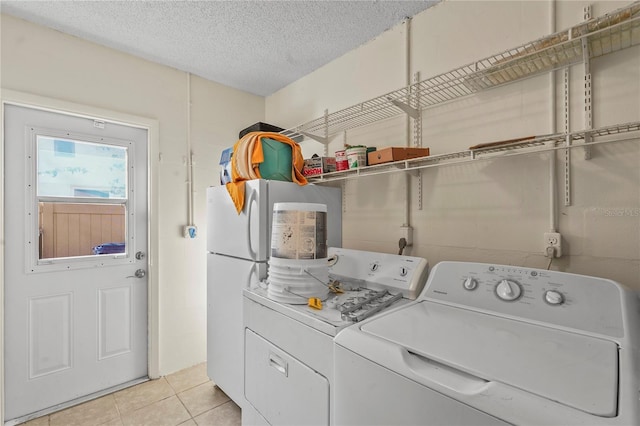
point(75, 257)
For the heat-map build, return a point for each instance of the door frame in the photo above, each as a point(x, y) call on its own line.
point(11, 97)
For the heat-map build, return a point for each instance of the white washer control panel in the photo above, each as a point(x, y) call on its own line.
point(382, 271)
point(559, 298)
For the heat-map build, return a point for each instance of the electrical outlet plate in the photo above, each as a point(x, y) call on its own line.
point(406, 232)
point(190, 231)
point(553, 239)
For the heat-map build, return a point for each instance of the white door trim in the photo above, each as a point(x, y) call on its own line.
point(39, 102)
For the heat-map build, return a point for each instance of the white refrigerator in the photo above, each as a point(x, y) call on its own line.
point(238, 247)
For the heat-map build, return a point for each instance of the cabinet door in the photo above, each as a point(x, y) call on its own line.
point(281, 388)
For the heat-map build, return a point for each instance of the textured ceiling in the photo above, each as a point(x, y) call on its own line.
point(255, 46)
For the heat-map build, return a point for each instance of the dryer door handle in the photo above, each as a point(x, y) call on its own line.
point(279, 364)
point(444, 375)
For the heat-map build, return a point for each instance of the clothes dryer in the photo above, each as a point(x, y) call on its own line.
point(289, 348)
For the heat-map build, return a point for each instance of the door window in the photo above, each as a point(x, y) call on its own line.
point(81, 200)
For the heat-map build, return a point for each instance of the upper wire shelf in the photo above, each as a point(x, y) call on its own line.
point(609, 33)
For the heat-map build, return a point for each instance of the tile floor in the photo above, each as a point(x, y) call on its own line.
point(186, 398)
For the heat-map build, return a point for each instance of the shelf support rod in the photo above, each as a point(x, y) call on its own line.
point(417, 121)
point(417, 136)
point(343, 185)
point(326, 133)
point(588, 117)
point(567, 151)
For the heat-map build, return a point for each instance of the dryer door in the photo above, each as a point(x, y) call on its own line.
point(281, 388)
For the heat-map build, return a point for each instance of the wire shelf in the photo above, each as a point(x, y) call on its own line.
point(610, 33)
point(607, 131)
point(538, 144)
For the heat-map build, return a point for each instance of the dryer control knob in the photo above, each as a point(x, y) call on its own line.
point(508, 290)
point(553, 297)
point(470, 284)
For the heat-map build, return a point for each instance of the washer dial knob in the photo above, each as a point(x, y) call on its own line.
point(470, 284)
point(553, 297)
point(508, 290)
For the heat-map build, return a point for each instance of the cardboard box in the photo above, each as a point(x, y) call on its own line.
point(416, 153)
point(387, 155)
point(317, 165)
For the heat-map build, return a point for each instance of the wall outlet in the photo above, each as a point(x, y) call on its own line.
point(190, 231)
point(552, 240)
point(406, 232)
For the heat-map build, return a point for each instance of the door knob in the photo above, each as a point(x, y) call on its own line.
point(140, 273)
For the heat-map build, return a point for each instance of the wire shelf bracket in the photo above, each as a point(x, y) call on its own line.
point(411, 111)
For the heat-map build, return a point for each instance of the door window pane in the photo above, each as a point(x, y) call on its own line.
point(69, 174)
point(69, 168)
point(80, 229)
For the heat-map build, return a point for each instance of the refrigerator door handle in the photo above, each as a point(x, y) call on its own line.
point(250, 204)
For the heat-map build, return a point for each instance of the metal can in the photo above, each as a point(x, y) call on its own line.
point(341, 160)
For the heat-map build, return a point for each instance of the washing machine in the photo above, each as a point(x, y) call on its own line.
point(493, 345)
point(289, 347)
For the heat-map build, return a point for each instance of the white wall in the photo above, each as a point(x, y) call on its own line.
point(490, 211)
point(48, 63)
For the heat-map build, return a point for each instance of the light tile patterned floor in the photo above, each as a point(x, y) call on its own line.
point(186, 398)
